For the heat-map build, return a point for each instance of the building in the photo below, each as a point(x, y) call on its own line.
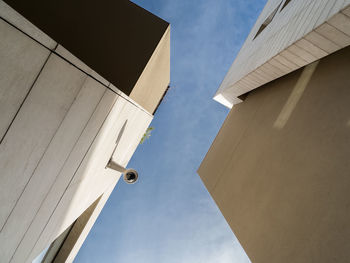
point(279, 167)
point(79, 84)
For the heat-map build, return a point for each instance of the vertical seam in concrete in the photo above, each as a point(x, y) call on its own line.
point(82, 85)
point(330, 40)
point(8, 128)
point(338, 29)
point(71, 177)
point(8, 22)
point(296, 43)
point(53, 51)
point(26, 96)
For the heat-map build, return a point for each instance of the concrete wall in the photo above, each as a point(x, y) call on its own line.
point(154, 80)
point(142, 66)
point(115, 38)
point(59, 124)
point(279, 167)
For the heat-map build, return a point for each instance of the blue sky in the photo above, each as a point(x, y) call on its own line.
point(168, 216)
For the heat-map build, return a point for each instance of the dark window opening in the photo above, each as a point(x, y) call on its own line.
point(267, 21)
point(285, 4)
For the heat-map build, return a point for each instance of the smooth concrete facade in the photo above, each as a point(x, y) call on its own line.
point(60, 124)
point(279, 167)
point(154, 80)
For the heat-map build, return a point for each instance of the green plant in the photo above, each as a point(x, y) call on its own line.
point(147, 134)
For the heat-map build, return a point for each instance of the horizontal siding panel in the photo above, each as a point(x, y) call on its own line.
point(294, 23)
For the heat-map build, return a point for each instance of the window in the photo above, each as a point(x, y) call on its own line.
point(267, 21)
point(285, 4)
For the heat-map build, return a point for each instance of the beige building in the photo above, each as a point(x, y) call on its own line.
point(279, 167)
point(79, 84)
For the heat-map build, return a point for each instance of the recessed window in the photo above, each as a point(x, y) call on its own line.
point(285, 4)
point(267, 20)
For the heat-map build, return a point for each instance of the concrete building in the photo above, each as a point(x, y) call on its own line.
point(279, 167)
point(79, 84)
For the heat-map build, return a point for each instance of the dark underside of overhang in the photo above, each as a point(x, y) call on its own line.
point(114, 38)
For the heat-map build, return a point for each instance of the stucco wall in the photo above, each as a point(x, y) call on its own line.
point(279, 167)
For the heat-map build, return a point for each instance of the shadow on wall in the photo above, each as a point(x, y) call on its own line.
point(91, 178)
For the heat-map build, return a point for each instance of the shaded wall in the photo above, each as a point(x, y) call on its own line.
point(279, 167)
point(115, 38)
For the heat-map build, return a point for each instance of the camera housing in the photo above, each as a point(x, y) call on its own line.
point(130, 176)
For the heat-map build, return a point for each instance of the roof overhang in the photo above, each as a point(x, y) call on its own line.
point(117, 39)
point(297, 35)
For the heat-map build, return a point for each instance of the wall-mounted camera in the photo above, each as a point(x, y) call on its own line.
point(130, 176)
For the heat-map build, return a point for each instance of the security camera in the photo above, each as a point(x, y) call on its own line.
point(130, 176)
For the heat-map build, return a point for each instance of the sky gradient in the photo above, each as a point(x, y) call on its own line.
point(168, 216)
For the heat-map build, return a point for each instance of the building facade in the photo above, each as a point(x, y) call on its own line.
point(279, 166)
point(80, 82)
